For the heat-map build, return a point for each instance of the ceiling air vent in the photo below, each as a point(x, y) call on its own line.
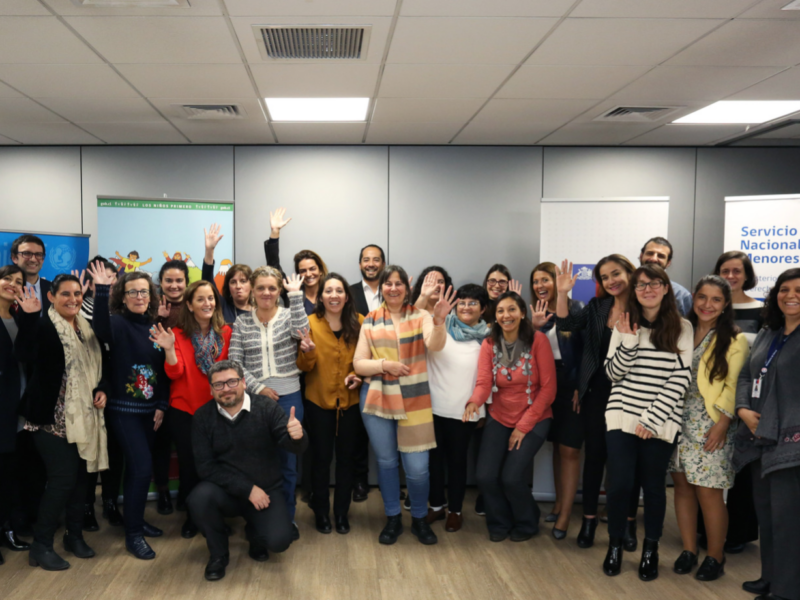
point(217, 112)
point(312, 42)
point(637, 114)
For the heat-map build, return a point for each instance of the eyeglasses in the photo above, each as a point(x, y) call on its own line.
point(497, 282)
point(654, 285)
point(221, 385)
point(138, 293)
point(470, 304)
point(30, 255)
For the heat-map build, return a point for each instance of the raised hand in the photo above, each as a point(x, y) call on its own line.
point(99, 275)
point(294, 427)
point(515, 286)
point(539, 317)
point(445, 304)
point(429, 284)
point(352, 381)
point(81, 275)
point(306, 343)
point(28, 301)
point(294, 283)
point(565, 280)
point(624, 325)
point(213, 236)
point(164, 308)
point(277, 222)
point(163, 337)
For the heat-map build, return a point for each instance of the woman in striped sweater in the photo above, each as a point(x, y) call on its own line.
point(264, 342)
point(649, 364)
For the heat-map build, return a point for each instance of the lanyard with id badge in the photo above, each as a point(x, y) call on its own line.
point(774, 349)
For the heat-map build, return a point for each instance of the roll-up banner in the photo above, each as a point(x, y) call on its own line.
point(63, 251)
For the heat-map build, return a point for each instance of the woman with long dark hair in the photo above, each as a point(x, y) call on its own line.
point(516, 367)
point(331, 399)
point(701, 466)
point(497, 282)
point(649, 362)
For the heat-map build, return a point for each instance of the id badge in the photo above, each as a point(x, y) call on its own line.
point(757, 388)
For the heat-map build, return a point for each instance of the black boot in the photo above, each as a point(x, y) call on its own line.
point(151, 530)
point(164, 503)
point(586, 534)
point(342, 524)
point(323, 523)
point(45, 557)
point(89, 520)
point(139, 547)
point(392, 530)
point(612, 565)
point(215, 569)
point(77, 545)
point(629, 541)
point(711, 569)
point(422, 529)
point(111, 512)
point(759, 586)
point(10, 540)
point(189, 529)
point(648, 567)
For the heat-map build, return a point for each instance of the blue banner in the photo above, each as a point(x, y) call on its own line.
point(63, 253)
point(585, 288)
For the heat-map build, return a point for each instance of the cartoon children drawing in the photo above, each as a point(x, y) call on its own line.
point(224, 267)
point(132, 262)
point(176, 256)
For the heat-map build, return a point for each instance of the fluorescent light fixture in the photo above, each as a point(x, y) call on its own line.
point(318, 109)
point(744, 111)
point(792, 5)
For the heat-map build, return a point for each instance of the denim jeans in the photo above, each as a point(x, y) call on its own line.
point(289, 459)
point(383, 437)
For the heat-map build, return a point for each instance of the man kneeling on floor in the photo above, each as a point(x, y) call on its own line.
point(236, 440)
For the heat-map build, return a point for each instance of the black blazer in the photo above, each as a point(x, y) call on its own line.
point(44, 285)
point(10, 387)
point(357, 292)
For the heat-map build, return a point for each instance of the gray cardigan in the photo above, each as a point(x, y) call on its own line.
point(777, 439)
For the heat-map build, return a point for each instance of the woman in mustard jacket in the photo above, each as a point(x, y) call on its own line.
point(701, 466)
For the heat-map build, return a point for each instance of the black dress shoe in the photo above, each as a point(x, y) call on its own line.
point(629, 541)
point(45, 557)
point(498, 536)
point(295, 532)
point(89, 520)
point(139, 547)
point(648, 567)
point(711, 569)
point(323, 523)
point(422, 529)
point(342, 524)
point(731, 548)
point(78, 546)
point(258, 552)
point(151, 531)
point(360, 492)
point(111, 512)
point(10, 540)
point(164, 503)
point(519, 536)
point(586, 534)
point(612, 565)
point(392, 530)
point(189, 529)
point(759, 586)
point(215, 569)
point(685, 563)
point(551, 518)
point(559, 534)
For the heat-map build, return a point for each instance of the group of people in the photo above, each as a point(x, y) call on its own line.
point(102, 372)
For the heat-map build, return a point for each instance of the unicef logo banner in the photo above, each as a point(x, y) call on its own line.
point(63, 252)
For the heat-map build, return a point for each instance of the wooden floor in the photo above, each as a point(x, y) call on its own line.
point(463, 566)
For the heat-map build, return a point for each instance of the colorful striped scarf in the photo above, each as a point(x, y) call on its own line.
point(406, 399)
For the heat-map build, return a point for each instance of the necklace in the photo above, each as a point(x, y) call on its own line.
point(524, 362)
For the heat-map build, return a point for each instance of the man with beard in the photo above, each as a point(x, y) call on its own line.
point(236, 440)
point(27, 252)
point(658, 251)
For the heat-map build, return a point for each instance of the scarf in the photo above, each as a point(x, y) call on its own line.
point(461, 332)
point(206, 349)
point(405, 399)
point(85, 424)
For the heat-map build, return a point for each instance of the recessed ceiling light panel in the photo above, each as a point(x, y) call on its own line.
point(750, 112)
point(318, 109)
point(792, 5)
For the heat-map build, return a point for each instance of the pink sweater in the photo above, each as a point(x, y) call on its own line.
point(509, 405)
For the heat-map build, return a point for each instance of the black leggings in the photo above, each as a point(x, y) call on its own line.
point(180, 429)
point(112, 478)
point(452, 445)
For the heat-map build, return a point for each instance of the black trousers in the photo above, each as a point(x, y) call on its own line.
point(452, 445)
point(269, 528)
point(111, 478)
point(777, 497)
point(630, 457)
point(162, 453)
point(180, 425)
point(742, 519)
point(502, 476)
point(30, 480)
point(323, 438)
point(9, 497)
point(66, 487)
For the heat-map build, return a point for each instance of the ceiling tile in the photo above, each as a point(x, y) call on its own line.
point(481, 8)
point(316, 80)
point(47, 133)
point(225, 132)
point(538, 110)
point(675, 85)
point(443, 110)
point(198, 81)
point(24, 110)
point(170, 107)
point(562, 81)
point(504, 134)
point(442, 81)
point(783, 86)
point(746, 43)
point(102, 110)
point(438, 40)
point(319, 133)
point(7, 92)
point(767, 142)
point(50, 81)
point(23, 8)
point(619, 41)
point(158, 132)
point(159, 39)
point(311, 8)
point(685, 135)
point(41, 40)
point(596, 134)
point(658, 9)
point(5, 141)
point(411, 133)
point(196, 8)
point(771, 9)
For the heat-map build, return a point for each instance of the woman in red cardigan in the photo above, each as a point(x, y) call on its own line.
point(200, 339)
point(516, 367)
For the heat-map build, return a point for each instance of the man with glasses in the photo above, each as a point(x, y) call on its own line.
point(658, 251)
point(27, 252)
point(236, 440)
